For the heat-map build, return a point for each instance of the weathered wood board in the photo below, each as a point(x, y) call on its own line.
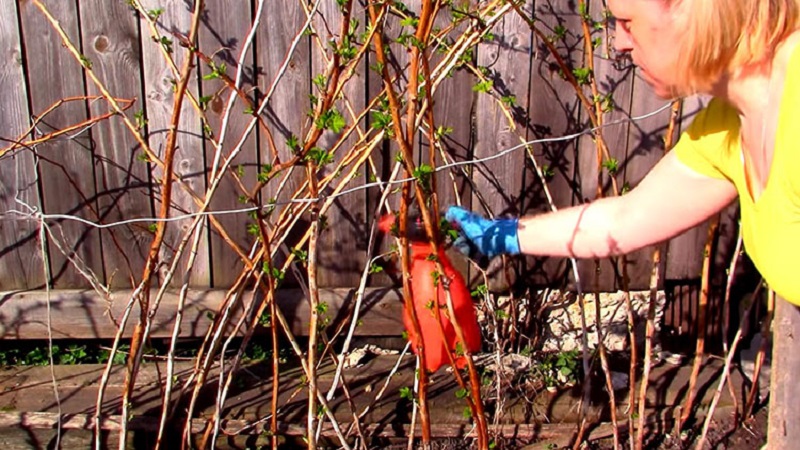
point(222, 39)
point(66, 164)
point(20, 256)
point(86, 315)
point(161, 78)
point(110, 39)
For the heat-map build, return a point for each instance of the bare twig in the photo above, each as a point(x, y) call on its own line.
point(761, 356)
point(702, 312)
point(728, 360)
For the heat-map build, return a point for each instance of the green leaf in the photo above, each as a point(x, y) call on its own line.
point(377, 67)
point(320, 81)
point(480, 291)
point(483, 86)
point(332, 120)
point(86, 62)
point(409, 22)
point(141, 121)
point(435, 275)
point(509, 100)
point(462, 393)
point(406, 393)
point(423, 174)
point(583, 10)
point(166, 43)
point(442, 131)
point(293, 143)
point(204, 101)
point(611, 165)
point(264, 173)
point(217, 71)
point(423, 171)
point(381, 121)
point(300, 254)
point(319, 156)
point(252, 229)
point(583, 75)
point(155, 13)
point(560, 31)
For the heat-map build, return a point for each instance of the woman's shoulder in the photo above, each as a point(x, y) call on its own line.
point(716, 125)
point(708, 144)
point(718, 116)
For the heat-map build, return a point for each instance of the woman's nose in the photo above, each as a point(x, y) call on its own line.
point(622, 40)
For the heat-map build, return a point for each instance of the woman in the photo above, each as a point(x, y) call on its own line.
point(746, 143)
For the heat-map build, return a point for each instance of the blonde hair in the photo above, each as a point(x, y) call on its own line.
point(723, 35)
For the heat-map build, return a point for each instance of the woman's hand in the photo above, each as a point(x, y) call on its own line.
point(490, 237)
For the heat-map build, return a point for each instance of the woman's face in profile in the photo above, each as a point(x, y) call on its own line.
point(646, 30)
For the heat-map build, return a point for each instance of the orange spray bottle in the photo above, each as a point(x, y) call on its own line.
point(438, 337)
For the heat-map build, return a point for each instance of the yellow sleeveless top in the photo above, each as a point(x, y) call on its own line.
point(770, 224)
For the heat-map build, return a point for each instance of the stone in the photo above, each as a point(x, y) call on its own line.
point(562, 318)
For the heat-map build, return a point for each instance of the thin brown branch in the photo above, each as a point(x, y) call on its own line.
point(702, 313)
point(727, 369)
point(766, 327)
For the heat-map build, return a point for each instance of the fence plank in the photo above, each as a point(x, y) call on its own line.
point(615, 80)
point(222, 39)
point(385, 159)
point(285, 114)
point(453, 103)
point(110, 38)
point(67, 164)
point(86, 315)
point(645, 149)
point(344, 231)
point(685, 252)
point(20, 257)
point(500, 182)
point(553, 111)
point(159, 80)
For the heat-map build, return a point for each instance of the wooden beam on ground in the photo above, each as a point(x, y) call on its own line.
point(784, 416)
point(83, 314)
point(40, 420)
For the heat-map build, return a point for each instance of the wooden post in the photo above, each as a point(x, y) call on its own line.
point(783, 431)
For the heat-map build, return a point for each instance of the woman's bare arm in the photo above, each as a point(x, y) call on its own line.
point(671, 199)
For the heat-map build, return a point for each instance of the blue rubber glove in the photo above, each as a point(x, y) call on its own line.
point(490, 237)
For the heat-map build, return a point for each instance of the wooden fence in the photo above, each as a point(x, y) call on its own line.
point(96, 171)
